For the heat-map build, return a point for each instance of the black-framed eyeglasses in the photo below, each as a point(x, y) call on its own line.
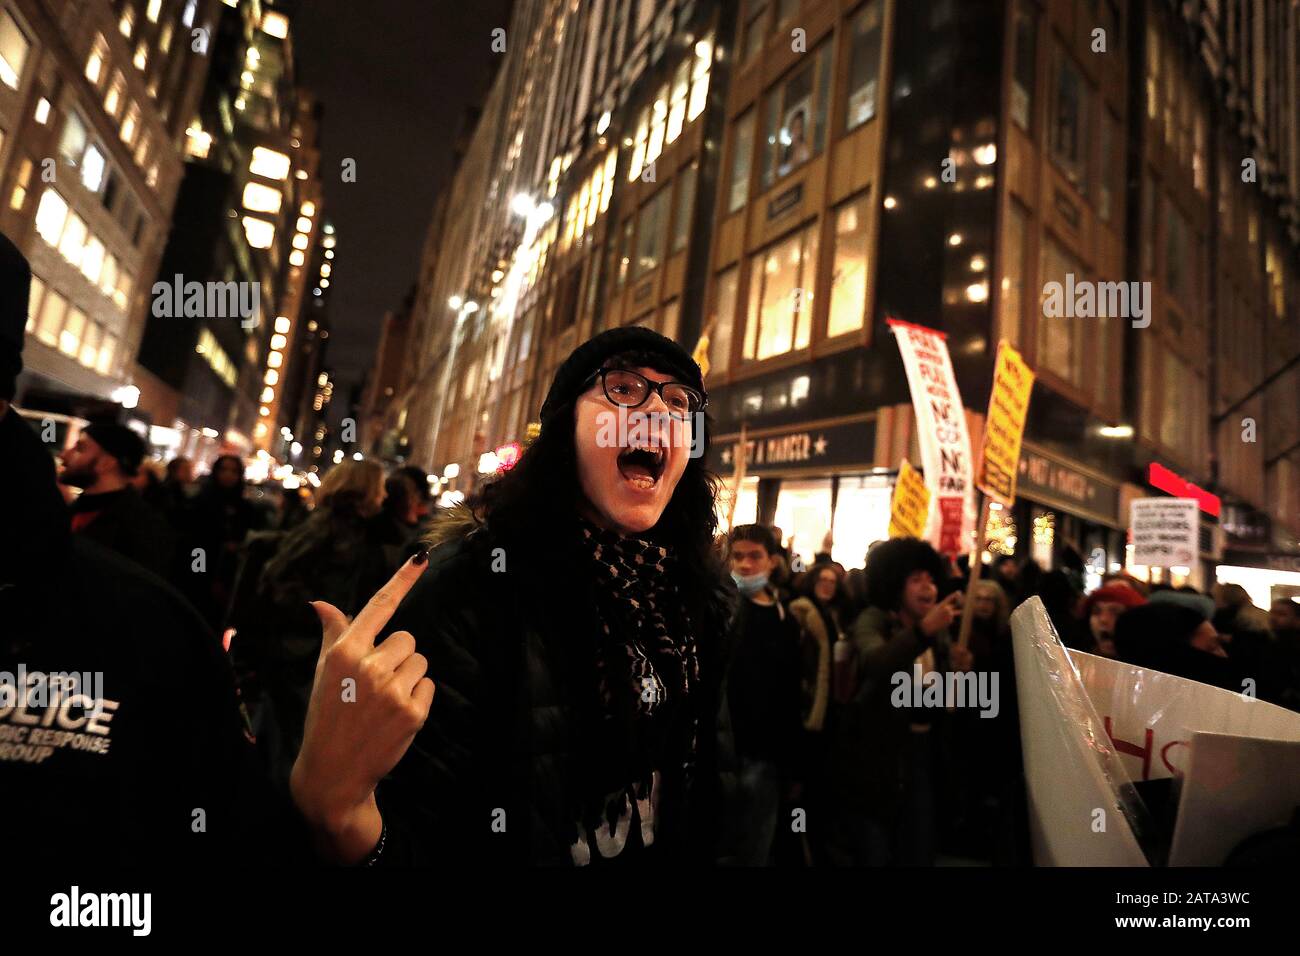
point(632, 390)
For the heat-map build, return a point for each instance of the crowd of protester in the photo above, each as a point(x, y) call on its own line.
point(597, 672)
point(813, 651)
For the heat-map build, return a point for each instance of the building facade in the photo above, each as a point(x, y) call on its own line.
point(94, 101)
point(786, 175)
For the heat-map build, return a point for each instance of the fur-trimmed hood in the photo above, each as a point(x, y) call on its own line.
point(451, 524)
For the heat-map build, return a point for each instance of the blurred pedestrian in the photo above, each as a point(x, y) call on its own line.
point(219, 520)
point(1175, 640)
point(763, 691)
point(103, 462)
point(335, 555)
point(885, 757)
point(1101, 609)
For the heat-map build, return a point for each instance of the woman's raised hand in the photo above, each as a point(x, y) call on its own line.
point(367, 704)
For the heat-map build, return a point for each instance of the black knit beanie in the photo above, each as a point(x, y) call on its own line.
point(1150, 635)
point(15, 288)
point(667, 356)
point(119, 442)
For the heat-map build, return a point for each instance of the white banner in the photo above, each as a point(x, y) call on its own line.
point(942, 434)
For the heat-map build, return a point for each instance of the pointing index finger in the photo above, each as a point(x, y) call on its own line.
point(372, 618)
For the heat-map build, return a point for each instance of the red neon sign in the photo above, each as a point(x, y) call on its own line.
point(507, 455)
point(1158, 476)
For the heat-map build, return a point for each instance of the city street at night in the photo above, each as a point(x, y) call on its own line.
point(676, 435)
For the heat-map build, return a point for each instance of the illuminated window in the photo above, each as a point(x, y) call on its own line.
point(19, 196)
point(113, 99)
point(73, 328)
point(197, 142)
point(677, 103)
point(658, 122)
point(260, 233)
point(780, 298)
point(107, 352)
point(151, 11)
point(607, 185)
point(142, 151)
point(51, 320)
point(297, 258)
point(864, 67)
point(272, 376)
point(299, 241)
point(1011, 303)
point(275, 24)
point(98, 57)
point(304, 224)
point(700, 67)
point(261, 198)
point(92, 169)
point(191, 7)
point(165, 39)
point(278, 341)
point(127, 23)
point(50, 217)
point(274, 360)
point(92, 261)
point(308, 209)
point(851, 263)
point(269, 163)
point(34, 302)
point(282, 324)
point(131, 125)
point(89, 353)
point(141, 58)
point(639, 147)
point(72, 141)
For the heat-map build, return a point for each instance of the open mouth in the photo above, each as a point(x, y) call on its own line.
point(642, 466)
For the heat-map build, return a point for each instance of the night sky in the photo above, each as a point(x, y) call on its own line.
point(395, 77)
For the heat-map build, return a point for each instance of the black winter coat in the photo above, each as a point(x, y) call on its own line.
point(490, 778)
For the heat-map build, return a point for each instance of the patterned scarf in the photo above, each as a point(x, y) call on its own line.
point(647, 666)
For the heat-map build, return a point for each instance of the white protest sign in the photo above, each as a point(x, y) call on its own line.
point(941, 431)
point(1151, 716)
point(1082, 807)
point(1166, 531)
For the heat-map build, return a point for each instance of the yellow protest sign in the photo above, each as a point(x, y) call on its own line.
point(1013, 382)
point(910, 505)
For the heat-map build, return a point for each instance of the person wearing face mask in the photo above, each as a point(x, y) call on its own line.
point(885, 757)
point(763, 692)
point(548, 690)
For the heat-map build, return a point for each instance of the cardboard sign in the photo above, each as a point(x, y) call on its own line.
point(941, 431)
point(1166, 532)
point(1013, 383)
point(910, 505)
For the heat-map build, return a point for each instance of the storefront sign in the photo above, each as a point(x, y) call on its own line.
point(846, 444)
point(1055, 483)
point(1013, 382)
point(910, 505)
point(784, 202)
point(1160, 477)
point(941, 430)
point(1166, 532)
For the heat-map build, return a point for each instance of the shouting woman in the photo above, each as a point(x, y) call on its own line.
point(571, 618)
